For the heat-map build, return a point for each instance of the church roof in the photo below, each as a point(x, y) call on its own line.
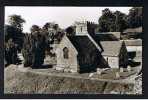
point(82, 44)
point(104, 37)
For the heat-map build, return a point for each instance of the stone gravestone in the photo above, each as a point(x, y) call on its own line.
point(67, 70)
point(121, 69)
point(117, 75)
point(129, 68)
point(59, 69)
point(99, 71)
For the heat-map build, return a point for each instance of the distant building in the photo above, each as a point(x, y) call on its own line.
point(133, 33)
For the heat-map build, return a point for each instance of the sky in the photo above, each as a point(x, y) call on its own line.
point(64, 16)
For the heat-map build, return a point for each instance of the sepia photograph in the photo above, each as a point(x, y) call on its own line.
point(73, 50)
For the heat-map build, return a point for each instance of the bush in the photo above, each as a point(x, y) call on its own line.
point(11, 52)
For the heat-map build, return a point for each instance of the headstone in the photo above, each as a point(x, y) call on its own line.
point(129, 68)
point(121, 69)
point(67, 70)
point(54, 68)
point(99, 71)
point(60, 69)
point(91, 74)
point(73, 71)
point(117, 75)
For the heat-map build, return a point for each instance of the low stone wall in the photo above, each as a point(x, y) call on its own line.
point(29, 83)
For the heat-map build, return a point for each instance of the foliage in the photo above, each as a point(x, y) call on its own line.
point(16, 21)
point(55, 33)
point(118, 21)
point(34, 28)
point(13, 38)
point(70, 31)
point(106, 21)
point(112, 21)
point(135, 17)
point(15, 34)
point(34, 47)
point(14, 30)
point(10, 52)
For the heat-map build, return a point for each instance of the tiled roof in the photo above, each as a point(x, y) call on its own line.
point(133, 30)
point(82, 44)
point(111, 48)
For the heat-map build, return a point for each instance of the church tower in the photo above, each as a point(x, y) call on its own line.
point(81, 28)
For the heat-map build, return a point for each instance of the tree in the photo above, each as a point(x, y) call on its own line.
point(35, 28)
point(120, 21)
point(16, 21)
point(135, 17)
point(27, 50)
point(34, 47)
point(112, 21)
point(14, 30)
point(106, 21)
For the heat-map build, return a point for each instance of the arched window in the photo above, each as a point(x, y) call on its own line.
point(65, 53)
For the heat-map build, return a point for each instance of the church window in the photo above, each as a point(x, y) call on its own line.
point(65, 53)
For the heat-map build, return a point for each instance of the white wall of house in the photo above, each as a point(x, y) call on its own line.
point(70, 63)
point(134, 48)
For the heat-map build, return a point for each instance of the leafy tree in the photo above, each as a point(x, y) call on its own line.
point(34, 28)
point(16, 21)
point(135, 17)
point(14, 30)
point(112, 21)
point(120, 21)
point(106, 21)
point(56, 27)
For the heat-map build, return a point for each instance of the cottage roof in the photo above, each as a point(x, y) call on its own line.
point(105, 37)
point(133, 30)
point(136, 42)
point(111, 48)
point(82, 44)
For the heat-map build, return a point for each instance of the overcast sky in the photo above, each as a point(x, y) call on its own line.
point(64, 16)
